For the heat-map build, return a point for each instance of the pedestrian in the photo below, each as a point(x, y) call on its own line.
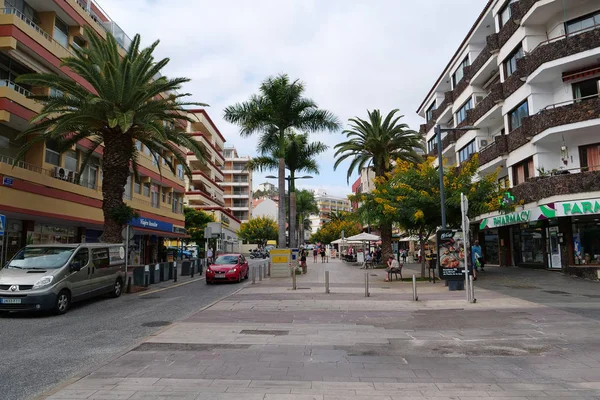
point(322, 254)
point(477, 256)
point(315, 253)
point(209, 256)
point(393, 266)
point(403, 256)
point(303, 260)
point(419, 255)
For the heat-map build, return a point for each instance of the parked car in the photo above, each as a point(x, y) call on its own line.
point(51, 277)
point(227, 268)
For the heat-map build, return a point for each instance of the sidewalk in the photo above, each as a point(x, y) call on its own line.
point(270, 342)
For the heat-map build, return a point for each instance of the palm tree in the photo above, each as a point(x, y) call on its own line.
point(127, 104)
point(305, 206)
point(299, 157)
point(279, 106)
point(376, 143)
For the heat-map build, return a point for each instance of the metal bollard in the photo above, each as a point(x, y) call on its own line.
point(367, 294)
point(327, 282)
point(146, 280)
point(253, 275)
point(128, 285)
point(175, 271)
point(294, 278)
point(472, 289)
point(415, 297)
point(191, 270)
point(260, 272)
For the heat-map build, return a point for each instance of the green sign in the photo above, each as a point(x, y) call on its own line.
point(512, 218)
point(581, 207)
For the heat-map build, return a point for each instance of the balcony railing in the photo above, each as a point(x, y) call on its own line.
point(39, 170)
point(108, 25)
point(542, 187)
point(497, 148)
point(15, 87)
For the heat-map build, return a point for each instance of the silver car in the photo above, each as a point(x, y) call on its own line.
point(51, 277)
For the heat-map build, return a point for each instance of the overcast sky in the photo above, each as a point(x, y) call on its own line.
point(353, 55)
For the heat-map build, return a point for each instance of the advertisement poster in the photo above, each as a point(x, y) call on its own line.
point(451, 247)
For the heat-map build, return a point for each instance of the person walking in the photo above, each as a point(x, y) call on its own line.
point(403, 256)
point(477, 256)
point(322, 254)
point(315, 253)
point(303, 255)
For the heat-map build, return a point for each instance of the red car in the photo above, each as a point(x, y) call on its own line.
point(227, 268)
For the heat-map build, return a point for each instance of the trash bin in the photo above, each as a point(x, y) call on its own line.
point(186, 268)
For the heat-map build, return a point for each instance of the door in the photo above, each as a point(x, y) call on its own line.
point(101, 273)
point(80, 280)
point(244, 264)
point(554, 255)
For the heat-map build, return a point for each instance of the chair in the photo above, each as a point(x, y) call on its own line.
point(395, 271)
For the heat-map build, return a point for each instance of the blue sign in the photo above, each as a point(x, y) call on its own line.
point(7, 181)
point(148, 223)
point(2, 224)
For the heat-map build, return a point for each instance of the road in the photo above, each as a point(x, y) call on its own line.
point(39, 351)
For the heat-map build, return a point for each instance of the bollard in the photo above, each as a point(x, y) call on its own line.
point(472, 289)
point(265, 271)
point(146, 280)
point(367, 294)
point(192, 270)
point(294, 279)
point(253, 275)
point(128, 285)
point(327, 282)
point(415, 297)
point(260, 272)
point(175, 271)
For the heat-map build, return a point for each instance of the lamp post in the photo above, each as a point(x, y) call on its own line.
point(289, 180)
point(438, 133)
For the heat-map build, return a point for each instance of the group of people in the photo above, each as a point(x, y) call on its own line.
point(317, 250)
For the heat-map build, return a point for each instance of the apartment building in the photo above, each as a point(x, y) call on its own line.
point(237, 184)
point(205, 190)
point(327, 205)
point(40, 198)
point(527, 77)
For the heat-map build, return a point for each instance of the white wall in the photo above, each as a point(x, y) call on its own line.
point(266, 208)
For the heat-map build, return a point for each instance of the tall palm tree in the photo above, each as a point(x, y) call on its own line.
point(305, 206)
point(299, 157)
point(376, 143)
point(129, 104)
point(279, 106)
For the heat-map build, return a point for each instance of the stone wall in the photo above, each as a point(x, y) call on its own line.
point(494, 150)
point(538, 188)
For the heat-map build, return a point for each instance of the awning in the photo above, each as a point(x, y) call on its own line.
point(146, 231)
point(580, 74)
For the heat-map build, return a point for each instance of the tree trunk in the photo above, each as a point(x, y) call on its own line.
point(118, 149)
point(386, 240)
point(422, 244)
point(301, 229)
point(292, 188)
point(281, 210)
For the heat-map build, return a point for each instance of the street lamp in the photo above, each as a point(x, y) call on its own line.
point(438, 133)
point(289, 179)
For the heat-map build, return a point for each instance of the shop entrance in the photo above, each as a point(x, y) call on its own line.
point(554, 255)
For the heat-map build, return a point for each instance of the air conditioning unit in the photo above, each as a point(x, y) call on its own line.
point(62, 173)
point(478, 99)
point(483, 143)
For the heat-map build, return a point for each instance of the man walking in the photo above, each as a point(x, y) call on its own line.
point(477, 256)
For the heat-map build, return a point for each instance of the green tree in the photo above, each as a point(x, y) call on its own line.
point(195, 222)
point(410, 196)
point(127, 103)
point(279, 106)
point(374, 144)
point(305, 206)
point(332, 230)
point(299, 157)
point(258, 230)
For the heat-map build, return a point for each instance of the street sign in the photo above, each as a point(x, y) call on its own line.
point(7, 181)
point(2, 224)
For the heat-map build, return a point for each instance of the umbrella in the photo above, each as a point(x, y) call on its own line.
point(364, 237)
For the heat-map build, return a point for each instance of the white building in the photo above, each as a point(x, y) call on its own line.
point(327, 204)
point(267, 187)
point(527, 76)
point(237, 185)
point(265, 208)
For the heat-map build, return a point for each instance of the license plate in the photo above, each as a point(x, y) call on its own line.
point(10, 301)
point(220, 276)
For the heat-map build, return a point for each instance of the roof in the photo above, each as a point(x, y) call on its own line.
point(483, 13)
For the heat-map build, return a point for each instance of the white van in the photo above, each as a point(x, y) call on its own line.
point(51, 277)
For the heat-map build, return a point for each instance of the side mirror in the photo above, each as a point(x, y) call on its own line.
point(75, 266)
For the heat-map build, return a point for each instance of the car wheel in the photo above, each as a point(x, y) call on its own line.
point(62, 303)
point(117, 289)
point(208, 282)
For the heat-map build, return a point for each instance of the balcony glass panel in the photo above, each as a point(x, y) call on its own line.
point(516, 116)
point(61, 33)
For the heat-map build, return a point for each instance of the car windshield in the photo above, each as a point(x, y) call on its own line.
point(226, 260)
point(41, 258)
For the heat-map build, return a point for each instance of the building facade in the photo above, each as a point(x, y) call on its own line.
point(204, 190)
point(327, 205)
point(41, 198)
point(527, 77)
point(265, 208)
point(237, 184)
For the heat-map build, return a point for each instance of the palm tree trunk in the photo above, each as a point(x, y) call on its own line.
point(422, 244)
point(293, 243)
point(281, 197)
point(115, 164)
point(301, 229)
point(386, 240)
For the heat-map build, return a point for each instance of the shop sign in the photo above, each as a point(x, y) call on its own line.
point(579, 207)
point(151, 224)
point(2, 224)
point(520, 217)
point(177, 229)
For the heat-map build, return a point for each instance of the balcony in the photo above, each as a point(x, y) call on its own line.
point(435, 114)
point(518, 10)
point(496, 149)
point(494, 97)
point(538, 188)
point(555, 115)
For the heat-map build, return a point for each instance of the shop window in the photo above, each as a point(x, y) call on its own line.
point(61, 33)
point(522, 171)
point(532, 245)
point(589, 157)
point(586, 90)
point(516, 116)
point(429, 112)
point(71, 160)
point(586, 242)
point(52, 154)
point(510, 64)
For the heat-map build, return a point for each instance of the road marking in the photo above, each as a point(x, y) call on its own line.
point(170, 287)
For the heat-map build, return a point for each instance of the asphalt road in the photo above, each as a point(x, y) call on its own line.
point(39, 351)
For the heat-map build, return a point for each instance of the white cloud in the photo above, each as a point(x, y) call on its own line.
point(352, 55)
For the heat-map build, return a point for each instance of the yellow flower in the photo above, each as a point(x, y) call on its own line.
point(424, 193)
point(388, 209)
point(419, 215)
point(400, 198)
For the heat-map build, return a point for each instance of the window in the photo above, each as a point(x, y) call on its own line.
point(522, 171)
point(583, 24)
point(510, 64)
point(155, 196)
point(589, 157)
point(147, 151)
point(515, 117)
point(127, 193)
point(586, 89)
point(100, 258)
point(71, 160)
point(432, 144)
point(429, 112)
point(154, 161)
point(90, 176)
point(465, 153)
point(138, 145)
point(146, 189)
point(504, 182)
point(56, 93)
point(180, 171)
point(461, 114)
point(137, 187)
point(164, 195)
point(458, 75)
point(505, 13)
point(61, 33)
point(82, 257)
point(52, 154)
point(169, 195)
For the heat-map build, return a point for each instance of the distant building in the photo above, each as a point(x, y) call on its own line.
point(267, 187)
point(363, 184)
point(265, 208)
point(237, 184)
point(327, 204)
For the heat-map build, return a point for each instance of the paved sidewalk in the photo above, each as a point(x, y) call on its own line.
point(270, 342)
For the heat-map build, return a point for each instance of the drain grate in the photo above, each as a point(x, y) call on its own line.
point(557, 292)
point(154, 324)
point(264, 332)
